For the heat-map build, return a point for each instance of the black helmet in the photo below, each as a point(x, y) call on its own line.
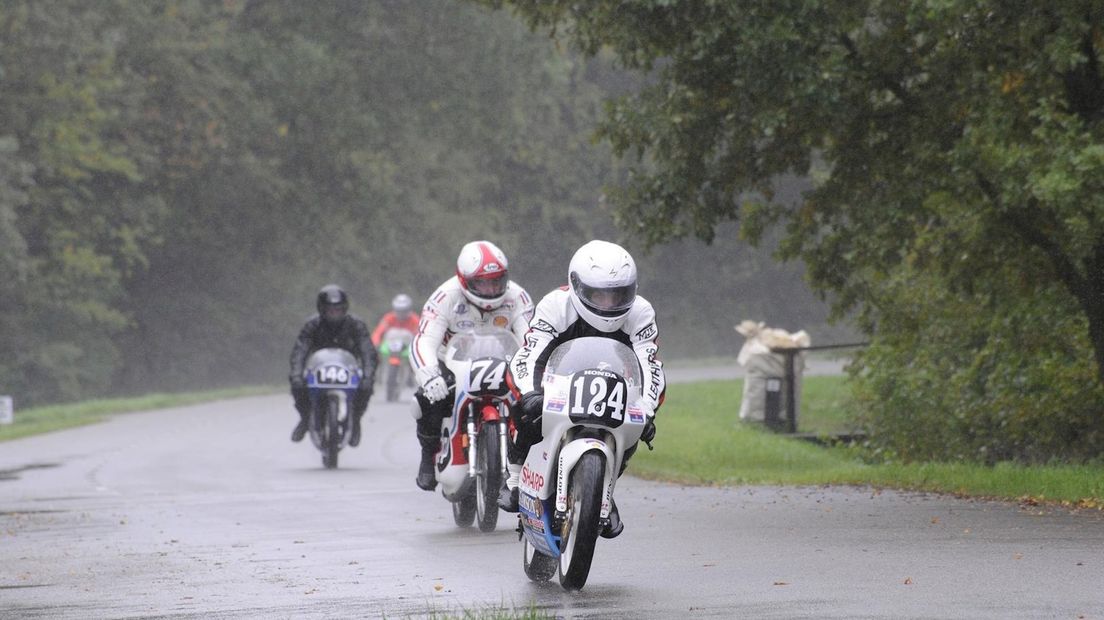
point(333, 304)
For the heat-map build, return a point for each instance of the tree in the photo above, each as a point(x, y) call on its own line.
point(951, 137)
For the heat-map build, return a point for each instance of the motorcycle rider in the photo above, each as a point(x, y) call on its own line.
point(599, 300)
point(401, 316)
point(333, 326)
point(479, 295)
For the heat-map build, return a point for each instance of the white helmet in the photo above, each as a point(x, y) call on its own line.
point(482, 271)
point(401, 305)
point(602, 276)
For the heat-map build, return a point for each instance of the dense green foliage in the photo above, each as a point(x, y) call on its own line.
point(178, 177)
point(957, 153)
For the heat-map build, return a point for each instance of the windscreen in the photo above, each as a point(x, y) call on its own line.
point(594, 352)
point(497, 343)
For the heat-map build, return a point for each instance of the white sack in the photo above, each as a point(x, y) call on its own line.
point(760, 364)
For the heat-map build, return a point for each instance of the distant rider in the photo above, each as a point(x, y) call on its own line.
point(333, 326)
point(479, 295)
point(401, 317)
point(599, 300)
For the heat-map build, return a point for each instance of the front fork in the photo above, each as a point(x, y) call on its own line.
point(473, 442)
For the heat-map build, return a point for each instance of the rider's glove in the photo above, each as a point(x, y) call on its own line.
point(435, 389)
point(648, 434)
point(531, 406)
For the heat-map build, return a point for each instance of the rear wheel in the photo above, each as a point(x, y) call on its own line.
point(582, 522)
point(488, 476)
point(463, 509)
point(538, 566)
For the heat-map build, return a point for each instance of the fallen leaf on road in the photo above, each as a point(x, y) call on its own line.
point(908, 581)
point(1018, 556)
point(935, 520)
point(781, 583)
point(438, 587)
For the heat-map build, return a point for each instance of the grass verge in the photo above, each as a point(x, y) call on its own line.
point(701, 441)
point(56, 417)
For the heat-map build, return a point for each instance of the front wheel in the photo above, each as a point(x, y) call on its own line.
point(331, 435)
point(582, 521)
point(393, 371)
point(488, 476)
point(538, 566)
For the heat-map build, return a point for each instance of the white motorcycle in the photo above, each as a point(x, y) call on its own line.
point(591, 417)
point(471, 463)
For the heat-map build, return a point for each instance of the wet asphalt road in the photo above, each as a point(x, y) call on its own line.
point(210, 512)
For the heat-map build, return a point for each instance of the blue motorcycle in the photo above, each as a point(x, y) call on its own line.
point(332, 377)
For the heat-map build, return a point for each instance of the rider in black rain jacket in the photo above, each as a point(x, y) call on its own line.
point(333, 326)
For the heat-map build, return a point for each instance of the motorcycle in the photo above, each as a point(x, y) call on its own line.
point(471, 463)
point(591, 417)
point(332, 377)
point(395, 348)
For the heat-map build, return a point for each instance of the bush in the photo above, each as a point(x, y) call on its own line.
point(999, 375)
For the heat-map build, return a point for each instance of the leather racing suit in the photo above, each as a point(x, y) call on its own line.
point(555, 321)
point(447, 312)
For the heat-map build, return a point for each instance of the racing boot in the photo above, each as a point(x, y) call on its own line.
point(354, 435)
point(426, 480)
point(508, 495)
point(428, 427)
point(614, 528)
point(300, 430)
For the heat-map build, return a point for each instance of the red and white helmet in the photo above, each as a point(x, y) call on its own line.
point(482, 271)
point(602, 276)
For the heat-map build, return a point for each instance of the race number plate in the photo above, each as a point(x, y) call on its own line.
point(597, 397)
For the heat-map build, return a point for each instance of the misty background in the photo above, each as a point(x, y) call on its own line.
point(177, 180)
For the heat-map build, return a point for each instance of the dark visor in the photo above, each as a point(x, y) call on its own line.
point(489, 288)
point(610, 301)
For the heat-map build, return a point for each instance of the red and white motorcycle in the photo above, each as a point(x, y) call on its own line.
point(471, 463)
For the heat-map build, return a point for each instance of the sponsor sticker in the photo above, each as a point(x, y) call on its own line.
point(556, 404)
point(461, 308)
point(531, 505)
point(544, 326)
point(531, 479)
point(536, 525)
point(501, 321)
point(465, 325)
point(647, 333)
point(600, 373)
point(636, 415)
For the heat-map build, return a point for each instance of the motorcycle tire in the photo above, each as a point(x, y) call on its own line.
point(538, 566)
point(331, 442)
point(392, 383)
point(488, 477)
point(463, 509)
point(583, 520)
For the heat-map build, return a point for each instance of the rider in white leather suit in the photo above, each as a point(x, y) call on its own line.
point(599, 300)
point(479, 295)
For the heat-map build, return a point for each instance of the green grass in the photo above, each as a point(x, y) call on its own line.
point(56, 417)
point(701, 441)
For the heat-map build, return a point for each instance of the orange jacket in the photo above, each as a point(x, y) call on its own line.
point(389, 320)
